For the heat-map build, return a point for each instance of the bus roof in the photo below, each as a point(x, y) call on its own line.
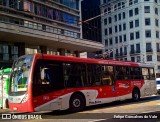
point(89, 60)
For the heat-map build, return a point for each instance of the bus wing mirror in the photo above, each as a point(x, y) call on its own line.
point(42, 74)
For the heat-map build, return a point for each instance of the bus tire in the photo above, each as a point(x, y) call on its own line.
point(77, 103)
point(135, 94)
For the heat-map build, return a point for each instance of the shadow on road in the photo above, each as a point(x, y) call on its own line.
point(90, 108)
point(106, 105)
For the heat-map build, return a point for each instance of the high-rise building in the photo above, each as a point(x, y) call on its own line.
point(48, 26)
point(131, 29)
point(91, 22)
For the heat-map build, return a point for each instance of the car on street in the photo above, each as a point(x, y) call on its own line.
point(158, 85)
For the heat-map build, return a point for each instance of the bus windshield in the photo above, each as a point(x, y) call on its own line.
point(20, 74)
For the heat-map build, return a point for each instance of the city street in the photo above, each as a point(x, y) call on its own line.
point(116, 111)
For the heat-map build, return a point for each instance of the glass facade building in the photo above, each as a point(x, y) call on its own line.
point(48, 26)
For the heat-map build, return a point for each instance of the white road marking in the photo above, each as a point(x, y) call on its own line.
point(97, 120)
point(148, 112)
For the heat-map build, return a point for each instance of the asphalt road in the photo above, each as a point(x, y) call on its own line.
point(147, 109)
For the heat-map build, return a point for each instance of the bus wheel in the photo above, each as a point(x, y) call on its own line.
point(77, 103)
point(135, 95)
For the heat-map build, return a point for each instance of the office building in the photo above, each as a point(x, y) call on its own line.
point(32, 26)
point(131, 29)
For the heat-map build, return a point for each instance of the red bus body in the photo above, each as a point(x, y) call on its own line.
point(92, 95)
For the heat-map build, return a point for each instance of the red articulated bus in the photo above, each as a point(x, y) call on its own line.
point(42, 82)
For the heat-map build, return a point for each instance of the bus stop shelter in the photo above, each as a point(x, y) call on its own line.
point(4, 86)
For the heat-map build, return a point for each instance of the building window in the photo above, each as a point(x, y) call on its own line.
point(130, 13)
point(110, 20)
point(106, 32)
point(110, 30)
point(156, 11)
point(115, 28)
point(125, 50)
point(147, 21)
point(105, 21)
point(149, 57)
point(155, 1)
point(138, 58)
point(110, 41)
point(146, 0)
point(157, 22)
point(158, 57)
point(109, 10)
point(135, 1)
point(115, 7)
point(116, 51)
point(132, 49)
point(120, 38)
point(124, 15)
point(137, 23)
point(133, 59)
point(121, 51)
point(14, 52)
point(124, 26)
point(124, 38)
point(130, 2)
point(123, 4)
point(138, 48)
point(119, 16)
point(106, 42)
point(120, 28)
point(131, 36)
point(4, 52)
point(137, 35)
point(148, 33)
point(158, 47)
point(157, 34)
point(146, 9)
point(116, 39)
point(131, 24)
point(136, 11)
point(115, 18)
point(148, 47)
point(119, 5)
point(105, 11)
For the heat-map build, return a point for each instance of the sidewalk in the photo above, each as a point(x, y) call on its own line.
point(5, 111)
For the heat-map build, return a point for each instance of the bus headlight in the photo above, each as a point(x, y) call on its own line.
point(25, 98)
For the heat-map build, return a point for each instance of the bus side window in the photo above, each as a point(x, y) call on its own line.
point(94, 74)
point(73, 74)
point(126, 73)
point(145, 73)
point(119, 73)
point(132, 73)
point(138, 74)
point(152, 74)
point(48, 76)
point(107, 75)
